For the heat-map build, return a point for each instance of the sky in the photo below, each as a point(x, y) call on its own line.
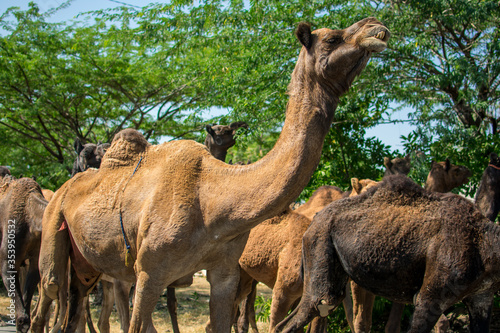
point(390, 134)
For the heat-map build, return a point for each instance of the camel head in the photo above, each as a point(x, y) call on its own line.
point(221, 137)
point(4, 171)
point(360, 186)
point(397, 165)
point(89, 155)
point(445, 176)
point(335, 57)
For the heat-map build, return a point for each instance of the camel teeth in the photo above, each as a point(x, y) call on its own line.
point(380, 35)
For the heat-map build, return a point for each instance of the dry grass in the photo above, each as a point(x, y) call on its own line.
point(192, 311)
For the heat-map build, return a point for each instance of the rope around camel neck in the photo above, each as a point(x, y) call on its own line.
point(127, 245)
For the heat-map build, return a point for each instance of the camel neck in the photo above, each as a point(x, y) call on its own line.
point(265, 188)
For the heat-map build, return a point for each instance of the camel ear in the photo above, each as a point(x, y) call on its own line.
point(304, 35)
point(238, 124)
point(356, 186)
point(387, 162)
point(447, 165)
point(78, 146)
point(210, 130)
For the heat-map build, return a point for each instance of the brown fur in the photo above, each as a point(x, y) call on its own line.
point(444, 176)
point(488, 194)
point(411, 246)
point(4, 171)
point(21, 208)
point(318, 200)
point(398, 165)
point(183, 200)
point(221, 137)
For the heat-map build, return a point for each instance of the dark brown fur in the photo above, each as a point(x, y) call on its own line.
point(444, 176)
point(406, 244)
point(21, 209)
point(88, 155)
point(221, 137)
point(397, 165)
point(488, 194)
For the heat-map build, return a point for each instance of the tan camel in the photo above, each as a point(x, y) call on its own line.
point(318, 200)
point(148, 206)
point(411, 246)
point(219, 139)
point(272, 256)
point(21, 209)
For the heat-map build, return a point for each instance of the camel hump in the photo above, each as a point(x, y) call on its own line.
point(125, 149)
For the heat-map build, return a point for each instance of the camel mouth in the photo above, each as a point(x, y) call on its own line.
point(377, 39)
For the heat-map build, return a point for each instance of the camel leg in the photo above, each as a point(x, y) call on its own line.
point(363, 301)
point(247, 316)
point(245, 289)
point(10, 278)
point(172, 308)
point(42, 310)
point(31, 282)
point(479, 307)
point(324, 281)
point(223, 287)
point(108, 300)
point(122, 292)
point(318, 325)
point(393, 324)
point(147, 293)
point(347, 302)
point(429, 306)
point(77, 296)
point(284, 296)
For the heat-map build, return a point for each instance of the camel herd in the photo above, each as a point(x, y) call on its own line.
point(150, 216)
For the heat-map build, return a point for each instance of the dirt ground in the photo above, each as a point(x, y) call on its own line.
point(193, 311)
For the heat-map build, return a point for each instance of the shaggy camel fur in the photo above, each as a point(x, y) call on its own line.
point(488, 194)
point(272, 256)
point(411, 246)
point(147, 206)
point(88, 155)
point(21, 209)
point(397, 166)
point(444, 176)
point(221, 137)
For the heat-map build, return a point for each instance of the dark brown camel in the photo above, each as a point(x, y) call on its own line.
point(88, 155)
point(397, 166)
point(488, 194)
point(444, 176)
point(221, 137)
point(21, 209)
point(4, 171)
point(411, 246)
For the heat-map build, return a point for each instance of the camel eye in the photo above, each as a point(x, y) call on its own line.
point(334, 40)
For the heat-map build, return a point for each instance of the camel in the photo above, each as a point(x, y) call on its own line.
point(488, 195)
point(4, 171)
point(21, 208)
point(411, 246)
point(444, 176)
point(137, 217)
point(318, 200)
point(47, 194)
point(397, 165)
point(272, 256)
point(88, 155)
point(221, 137)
